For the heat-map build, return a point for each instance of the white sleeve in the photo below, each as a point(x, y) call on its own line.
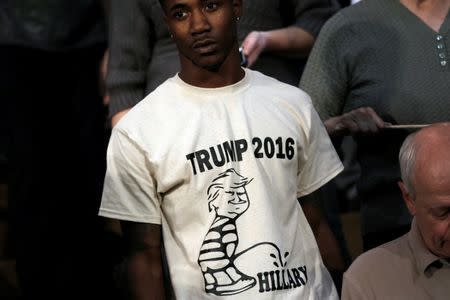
point(317, 158)
point(129, 191)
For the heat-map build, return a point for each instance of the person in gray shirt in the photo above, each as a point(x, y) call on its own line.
point(375, 63)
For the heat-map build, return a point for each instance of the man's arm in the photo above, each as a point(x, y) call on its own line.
point(144, 275)
point(326, 241)
point(290, 41)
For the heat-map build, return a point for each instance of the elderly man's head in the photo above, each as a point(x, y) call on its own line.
point(425, 168)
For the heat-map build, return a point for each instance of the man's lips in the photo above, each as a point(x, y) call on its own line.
point(204, 46)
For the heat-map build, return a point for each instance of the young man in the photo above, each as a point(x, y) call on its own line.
point(215, 159)
point(416, 265)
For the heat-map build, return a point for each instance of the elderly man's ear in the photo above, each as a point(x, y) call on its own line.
point(408, 198)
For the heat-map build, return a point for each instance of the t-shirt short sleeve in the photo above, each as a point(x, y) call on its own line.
point(129, 191)
point(318, 160)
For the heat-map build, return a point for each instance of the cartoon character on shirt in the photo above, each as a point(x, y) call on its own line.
point(228, 199)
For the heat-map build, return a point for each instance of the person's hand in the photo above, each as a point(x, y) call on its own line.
point(254, 44)
point(362, 120)
point(116, 118)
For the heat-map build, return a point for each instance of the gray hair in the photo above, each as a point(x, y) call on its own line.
point(407, 159)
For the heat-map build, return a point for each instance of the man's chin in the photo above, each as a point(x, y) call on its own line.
point(444, 250)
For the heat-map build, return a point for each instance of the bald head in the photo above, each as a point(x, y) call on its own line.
point(423, 152)
point(433, 154)
point(425, 164)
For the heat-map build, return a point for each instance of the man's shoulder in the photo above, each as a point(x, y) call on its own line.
point(149, 109)
point(350, 19)
point(382, 260)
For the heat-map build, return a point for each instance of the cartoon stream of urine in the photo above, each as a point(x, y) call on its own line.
point(218, 251)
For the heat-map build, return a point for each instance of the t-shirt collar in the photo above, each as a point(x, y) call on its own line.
point(225, 90)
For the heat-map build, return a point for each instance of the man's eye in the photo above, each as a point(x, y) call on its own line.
point(179, 14)
point(440, 213)
point(211, 6)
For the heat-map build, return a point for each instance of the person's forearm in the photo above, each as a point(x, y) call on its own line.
point(145, 275)
point(287, 42)
point(291, 41)
point(312, 209)
point(326, 241)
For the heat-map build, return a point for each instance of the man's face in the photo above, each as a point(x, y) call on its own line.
point(203, 30)
point(431, 205)
point(236, 202)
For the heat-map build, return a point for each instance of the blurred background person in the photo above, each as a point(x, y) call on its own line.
point(376, 63)
point(50, 53)
point(277, 36)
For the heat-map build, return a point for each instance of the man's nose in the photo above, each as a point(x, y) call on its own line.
point(199, 22)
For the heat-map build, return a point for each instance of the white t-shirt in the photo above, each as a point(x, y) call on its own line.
point(221, 169)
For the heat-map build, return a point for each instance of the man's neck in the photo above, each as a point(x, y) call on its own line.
point(228, 73)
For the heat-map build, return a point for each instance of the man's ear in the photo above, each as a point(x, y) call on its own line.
point(237, 7)
point(407, 197)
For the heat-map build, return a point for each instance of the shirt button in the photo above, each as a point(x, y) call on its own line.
point(441, 55)
point(443, 63)
point(440, 46)
point(439, 37)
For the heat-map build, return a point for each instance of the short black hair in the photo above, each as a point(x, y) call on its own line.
point(161, 2)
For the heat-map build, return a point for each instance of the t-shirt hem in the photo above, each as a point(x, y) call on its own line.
point(338, 169)
point(126, 217)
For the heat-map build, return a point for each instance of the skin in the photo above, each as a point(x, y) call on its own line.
point(326, 241)
point(431, 12)
point(144, 275)
point(362, 120)
point(430, 202)
point(290, 41)
point(206, 36)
